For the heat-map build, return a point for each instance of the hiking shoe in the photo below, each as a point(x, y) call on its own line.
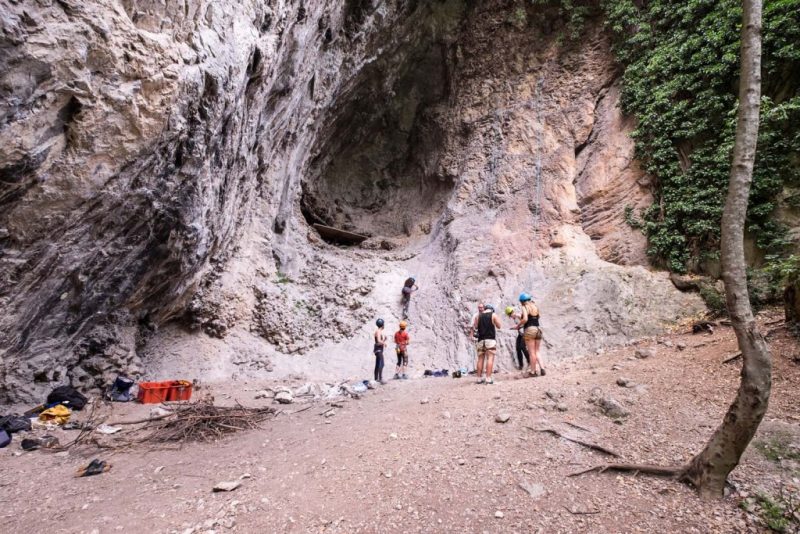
point(404, 376)
point(490, 380)
point(481, 381)
point(543, 371)
point(396, 376)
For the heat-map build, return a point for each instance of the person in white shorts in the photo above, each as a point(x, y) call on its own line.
point(486, 324)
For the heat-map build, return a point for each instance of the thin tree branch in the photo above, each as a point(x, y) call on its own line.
point(592, 446)
point(634, 468)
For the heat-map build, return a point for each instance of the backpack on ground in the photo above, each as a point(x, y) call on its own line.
point(14, 423)
point(68, 396)
point(120, 390)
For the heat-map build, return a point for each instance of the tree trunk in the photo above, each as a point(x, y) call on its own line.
point(791, 301)
point(709, 470)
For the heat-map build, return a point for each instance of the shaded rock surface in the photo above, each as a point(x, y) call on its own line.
point(644, 353)
point(608, 405)
point(161, 165)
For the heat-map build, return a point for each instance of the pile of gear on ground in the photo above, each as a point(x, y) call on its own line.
point(56, 411)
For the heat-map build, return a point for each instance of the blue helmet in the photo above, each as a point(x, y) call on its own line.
point(524, 297)
point(488, 307)
point(379, 323)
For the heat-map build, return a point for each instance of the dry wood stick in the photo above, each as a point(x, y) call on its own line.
point(235, 428)
point(636, 468)
point(304, 409)
point(732, 358)
point(592, 446)
point(581, 512)
point(577, 426)
point(138, 421)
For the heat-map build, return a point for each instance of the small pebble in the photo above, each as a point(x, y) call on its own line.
point(502, 417)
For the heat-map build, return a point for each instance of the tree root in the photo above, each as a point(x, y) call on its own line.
point(732, 358)
point(592, 446)
point(655, 470)
point(573, 425)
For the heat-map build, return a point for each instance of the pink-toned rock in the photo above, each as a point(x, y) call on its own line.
point(608, 181)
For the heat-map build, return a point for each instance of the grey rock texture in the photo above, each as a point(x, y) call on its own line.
point(162, 162)
point(646, 352)
point(608, 405)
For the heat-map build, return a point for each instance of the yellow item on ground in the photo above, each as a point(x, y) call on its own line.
point(58, 414)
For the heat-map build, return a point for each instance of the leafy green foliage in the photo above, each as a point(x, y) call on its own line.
point(680, 61)
point(631, 219)
point(283, 278)
point(518, 18)
point(778, 274)
point(777, 447)
point(573, 13)
point(714, 299)
point(777, 514)
point(785, 270)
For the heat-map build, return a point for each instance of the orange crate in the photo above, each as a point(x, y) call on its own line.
point(154, 392)
point(181, 390)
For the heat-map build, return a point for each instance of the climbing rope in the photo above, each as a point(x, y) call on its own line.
point(498, 146)
point(498, 153)
point(537, 170)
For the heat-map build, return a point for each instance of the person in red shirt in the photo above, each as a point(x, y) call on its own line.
point(401, 340)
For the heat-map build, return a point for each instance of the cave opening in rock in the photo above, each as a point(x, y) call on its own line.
point(378, 167)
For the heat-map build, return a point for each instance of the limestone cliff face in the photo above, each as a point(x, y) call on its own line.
point(162, 162)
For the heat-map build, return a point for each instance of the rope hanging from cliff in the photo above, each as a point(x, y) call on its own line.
point(498, 147)
point(537, 170)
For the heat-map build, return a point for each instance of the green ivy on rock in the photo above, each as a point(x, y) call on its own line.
point(680, 64)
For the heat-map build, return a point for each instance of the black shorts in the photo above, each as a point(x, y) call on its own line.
point(402, 358)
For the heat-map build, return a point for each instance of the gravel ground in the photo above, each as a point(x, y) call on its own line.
point(428, 455)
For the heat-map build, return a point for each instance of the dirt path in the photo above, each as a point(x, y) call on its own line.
point(426, 455)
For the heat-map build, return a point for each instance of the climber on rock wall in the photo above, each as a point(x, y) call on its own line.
point(409, 287)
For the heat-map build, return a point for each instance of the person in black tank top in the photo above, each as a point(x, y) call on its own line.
point(379, 345)
point(485, 325)
point(486, 329)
